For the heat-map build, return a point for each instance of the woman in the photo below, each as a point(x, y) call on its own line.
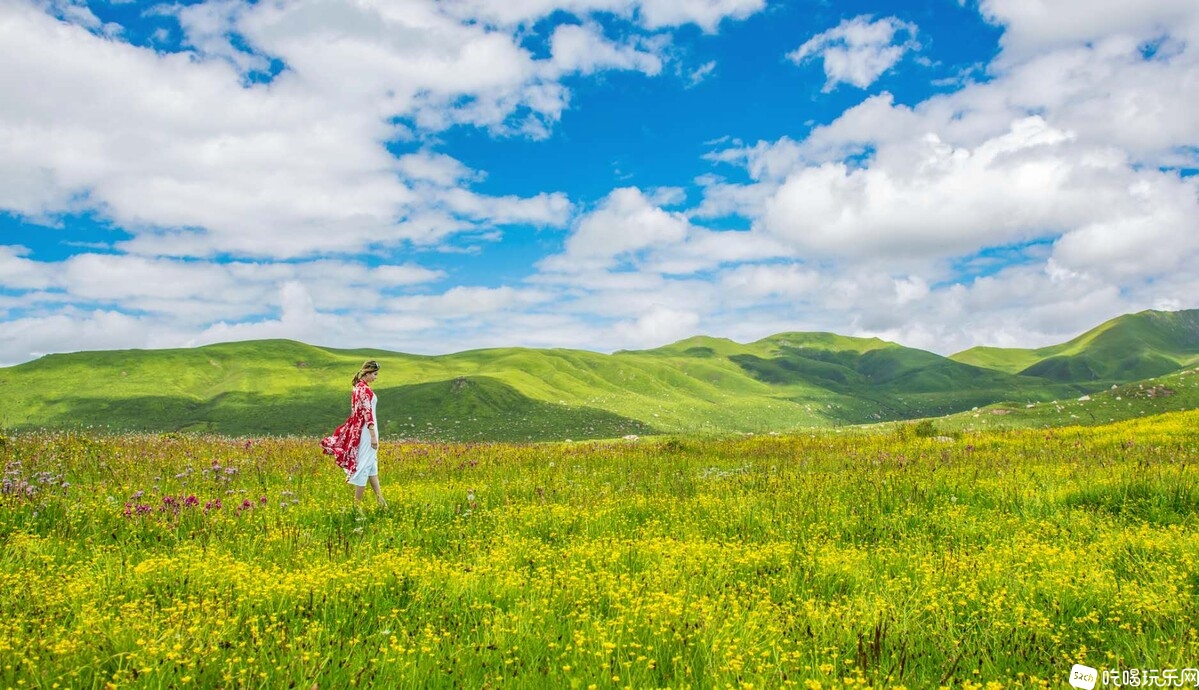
point(355, 444)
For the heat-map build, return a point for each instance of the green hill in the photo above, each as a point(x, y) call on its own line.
point(1170, 393)
point(886, 380)
point(1127, 348)
point(699, 385)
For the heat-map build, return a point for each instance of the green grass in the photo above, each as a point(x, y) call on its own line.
point(885, 558)
point(1128, 348)
point(1140, 399)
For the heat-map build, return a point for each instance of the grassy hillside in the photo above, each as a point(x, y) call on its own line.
point(882, 380)
point(699, 385)
point(288, 387)
point(1127, 348)
point(1120, 402)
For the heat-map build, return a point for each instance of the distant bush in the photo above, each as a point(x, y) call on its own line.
point(672, 445)
point(922, 429)
point(925, 429)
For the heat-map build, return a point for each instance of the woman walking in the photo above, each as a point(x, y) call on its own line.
point(355, 444)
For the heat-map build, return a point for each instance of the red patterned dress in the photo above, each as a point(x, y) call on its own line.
point(350, 444)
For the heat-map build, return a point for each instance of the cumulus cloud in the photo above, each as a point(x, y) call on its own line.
point(928, 198)
point(264, 137)
point(1016, 212)
point(632, 229)
point(652, 14)
point(192, 292)
point(1065, 162)
point(858, 51)
point(183, 151)
point(625, 222)
point(659, 325)
point(584, 49)
point(758, 281)
point(707, 14)
point(209, 28)
point(1032, 28)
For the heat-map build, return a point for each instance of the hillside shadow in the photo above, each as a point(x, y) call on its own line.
point(462, 409)
point(898, 383)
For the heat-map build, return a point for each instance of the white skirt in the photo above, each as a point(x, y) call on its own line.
point(368, 462)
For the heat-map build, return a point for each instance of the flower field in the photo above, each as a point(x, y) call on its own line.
point(996, 559)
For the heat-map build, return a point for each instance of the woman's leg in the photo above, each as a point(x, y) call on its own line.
point(358, 491)
point(374, 482)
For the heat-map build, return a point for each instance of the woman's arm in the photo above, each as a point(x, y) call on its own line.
point(363, 403)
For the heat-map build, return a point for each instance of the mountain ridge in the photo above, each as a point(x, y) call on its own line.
point(1133, 346)
point(702, 384)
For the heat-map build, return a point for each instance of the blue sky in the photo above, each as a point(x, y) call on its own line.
point(430, 177)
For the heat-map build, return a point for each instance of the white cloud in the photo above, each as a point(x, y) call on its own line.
point(193, 158)
point(465, 301)
point(928, 198)
point(209, 27)
point(406, 274)
point(192, 293)
point(585, 50)
point(625, 222)
point(1069, 144)
point(697, 76)
point(858, 51)
point(1108, 93)
point(72, 331)
point(630, 228)
point(1160, 237)
point(436, 168)
point(543, 209)
point(702, 250)
point(652, 14)
point(944, 180)
point(910, 289)
point(180, 150)
point(20, 273)
point(755, 282)
point(658, 326)
point(705, 13)
point(73, 11)
point(886, 221)
point(1036, 27)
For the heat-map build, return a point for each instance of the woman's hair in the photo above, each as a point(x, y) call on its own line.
point(367, 367)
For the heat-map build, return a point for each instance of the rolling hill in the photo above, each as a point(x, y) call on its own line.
point(1173, 392)
point(1126, 348)
point(699, 385)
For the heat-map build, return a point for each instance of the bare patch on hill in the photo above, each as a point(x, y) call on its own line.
point(1158, 391)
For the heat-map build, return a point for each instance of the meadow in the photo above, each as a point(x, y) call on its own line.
point(825, 559)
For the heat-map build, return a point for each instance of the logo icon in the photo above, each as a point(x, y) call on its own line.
point(1083, 677)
